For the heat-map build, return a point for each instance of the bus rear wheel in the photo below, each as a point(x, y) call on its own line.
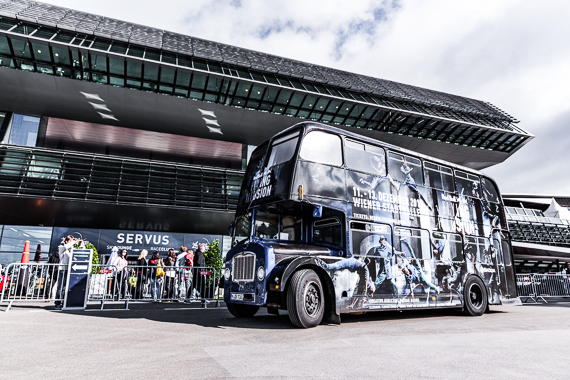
point(305, 299)
point(242, 311)
point(474, 297)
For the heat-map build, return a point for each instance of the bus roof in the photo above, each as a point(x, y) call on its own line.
point(308, 125)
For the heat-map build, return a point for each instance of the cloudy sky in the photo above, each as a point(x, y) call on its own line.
point(514, 54)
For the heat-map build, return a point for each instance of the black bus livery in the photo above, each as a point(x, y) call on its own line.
point(331, 222)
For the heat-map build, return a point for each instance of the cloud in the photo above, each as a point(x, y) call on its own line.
point(512, 53)
point(540, 167)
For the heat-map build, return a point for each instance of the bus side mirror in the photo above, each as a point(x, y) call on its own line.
point(318, 211)
point(231, 228)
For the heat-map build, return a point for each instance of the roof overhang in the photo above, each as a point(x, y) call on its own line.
point(45, 95)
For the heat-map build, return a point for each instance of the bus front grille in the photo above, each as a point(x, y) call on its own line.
point(243, 267)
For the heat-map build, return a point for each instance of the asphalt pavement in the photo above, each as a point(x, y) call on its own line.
point(176, 341)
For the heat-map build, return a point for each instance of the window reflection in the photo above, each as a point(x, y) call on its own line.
point(14, 238)
point(23, 130)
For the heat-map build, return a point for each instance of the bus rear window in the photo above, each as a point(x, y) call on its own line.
point(282, 149)
point(490, 192)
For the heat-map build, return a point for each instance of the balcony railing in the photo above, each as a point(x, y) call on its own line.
point(53, 174)
point(540, 230)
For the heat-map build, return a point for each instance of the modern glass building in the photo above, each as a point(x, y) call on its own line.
point(109, 125)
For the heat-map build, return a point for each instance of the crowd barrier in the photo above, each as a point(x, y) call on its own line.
point(38, 282)
point(537, 287)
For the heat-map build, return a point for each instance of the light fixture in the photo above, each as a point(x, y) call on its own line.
point(246, 90)
point(56, 54)
point(260, 273)
point(39, 51)
point(258, 92)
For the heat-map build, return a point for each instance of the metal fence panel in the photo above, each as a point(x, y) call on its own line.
point(39, 282)
point(29, 282)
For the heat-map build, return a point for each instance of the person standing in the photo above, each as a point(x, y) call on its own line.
point(65, 252)
point(180, 262)
point(170, 264)
point(155, 276)
point(188, 275)
point(141, 271)
point(121, 276)
point(53, 273)
point(199, 265)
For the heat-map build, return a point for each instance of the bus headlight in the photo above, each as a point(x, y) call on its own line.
point(260, 273)
point(227, 274)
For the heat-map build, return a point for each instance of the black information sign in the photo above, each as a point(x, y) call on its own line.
point(78, 279)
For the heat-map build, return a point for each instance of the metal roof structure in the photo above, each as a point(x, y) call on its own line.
point(263, 82)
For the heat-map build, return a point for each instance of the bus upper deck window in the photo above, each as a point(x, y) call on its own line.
point(282, 149)
point(405, 168)
point(439, 177)
point(365, 157)
point(467, 184)
point(321, 147)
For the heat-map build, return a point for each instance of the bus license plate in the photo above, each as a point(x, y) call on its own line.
point(237, 296)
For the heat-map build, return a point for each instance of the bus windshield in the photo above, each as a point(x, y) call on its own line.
point(241, 229)
point(280, 227)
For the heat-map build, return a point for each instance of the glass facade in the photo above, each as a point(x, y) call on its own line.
point(100, 60)
point(14, 238)
point(47, 240)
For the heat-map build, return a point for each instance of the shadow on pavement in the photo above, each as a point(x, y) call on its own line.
point(214, 317)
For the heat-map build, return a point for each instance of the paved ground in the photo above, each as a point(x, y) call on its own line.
point(149, 342)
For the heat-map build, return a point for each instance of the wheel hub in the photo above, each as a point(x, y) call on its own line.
point(476, 296)
point(312, 299)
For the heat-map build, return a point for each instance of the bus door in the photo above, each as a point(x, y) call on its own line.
point(490, 268)
point(372, 245)
point(506, 274)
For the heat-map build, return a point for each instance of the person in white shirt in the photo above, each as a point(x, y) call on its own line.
point(180, 263)
point(65, 252)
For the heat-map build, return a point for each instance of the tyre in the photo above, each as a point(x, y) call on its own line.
point(305, 299)
point(242, 311)
point(474, 297)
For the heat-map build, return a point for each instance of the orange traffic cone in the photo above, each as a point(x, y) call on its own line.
point(24, 275)
point(26, 254)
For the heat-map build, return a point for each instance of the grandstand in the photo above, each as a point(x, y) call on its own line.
point(540, 228)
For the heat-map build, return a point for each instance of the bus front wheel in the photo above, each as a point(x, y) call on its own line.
point(242, 311)
point(305, 299)
point(474, 297)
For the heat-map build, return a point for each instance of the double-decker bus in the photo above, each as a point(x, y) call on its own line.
point(331, 222)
